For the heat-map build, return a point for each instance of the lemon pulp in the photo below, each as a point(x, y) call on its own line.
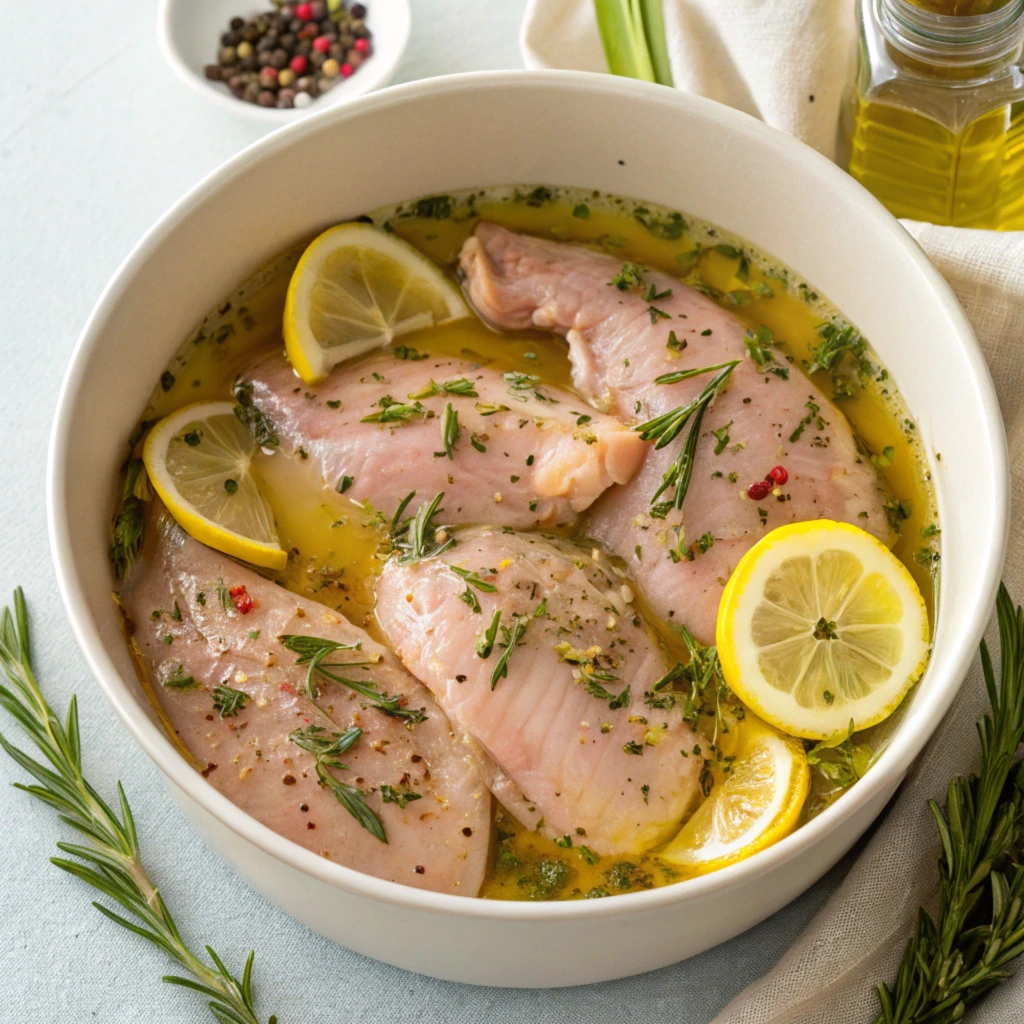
point(821, 625)
point(198, 460)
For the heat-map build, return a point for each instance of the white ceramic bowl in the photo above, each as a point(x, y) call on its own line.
point(558, 128)
point(189, 32)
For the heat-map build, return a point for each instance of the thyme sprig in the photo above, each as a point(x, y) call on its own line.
point(312, 651)
point(953, 959)
point(110, 860)
point(664, 429)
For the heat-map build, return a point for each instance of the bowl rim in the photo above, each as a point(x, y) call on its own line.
point(926, 711)
point(376, 78)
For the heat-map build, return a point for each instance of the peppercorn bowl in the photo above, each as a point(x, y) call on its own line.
point(194, 37)
point(563, 129)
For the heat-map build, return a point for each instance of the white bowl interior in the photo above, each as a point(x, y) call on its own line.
point(190, 34)
point(558, 129)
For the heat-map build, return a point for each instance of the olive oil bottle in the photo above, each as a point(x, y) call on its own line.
point(937, 113)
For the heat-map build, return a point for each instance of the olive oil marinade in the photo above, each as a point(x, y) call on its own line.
point(336, 547)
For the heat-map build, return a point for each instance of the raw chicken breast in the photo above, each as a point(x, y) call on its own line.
point(520, 456)
point(186, 625)
point(762, 419)
point(562, 759)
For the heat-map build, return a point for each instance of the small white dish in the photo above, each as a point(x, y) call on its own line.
point(189, 32)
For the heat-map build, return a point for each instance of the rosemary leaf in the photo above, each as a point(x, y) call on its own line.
point(953, 959)
point(112, 861)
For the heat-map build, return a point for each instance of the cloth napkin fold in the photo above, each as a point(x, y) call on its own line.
point(789, 63)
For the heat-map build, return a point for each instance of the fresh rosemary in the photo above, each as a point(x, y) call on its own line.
point(111, 860)
point(473, 580)
point(418, 537)
point(664, 429)
point(312, 650)
point(327, 748)
point(510, 637)
point(462, 386)
point(953, 959)
point(449, 431)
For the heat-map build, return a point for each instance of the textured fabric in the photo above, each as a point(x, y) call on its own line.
point(788, 62)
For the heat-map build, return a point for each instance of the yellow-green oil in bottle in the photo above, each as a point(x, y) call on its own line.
point(938, 111)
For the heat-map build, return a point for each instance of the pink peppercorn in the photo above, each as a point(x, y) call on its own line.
point(778, 474)
point(362, 45)
point(303, 11)
point(759, 489)
point(346, 70)
point(298, 64)
point(322, 43)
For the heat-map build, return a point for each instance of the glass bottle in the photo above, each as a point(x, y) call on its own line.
point(938, 110)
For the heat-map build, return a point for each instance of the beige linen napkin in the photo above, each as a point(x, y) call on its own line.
point(788, 62)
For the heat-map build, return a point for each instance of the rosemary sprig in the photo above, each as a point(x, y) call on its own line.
point(510, 637)
point(392, 411)
point(449, 431)
point(664, 429)
point(952, 960)
point(418, 537)
point(327, 748)
point(485, 641)
point(461, 386)
point(110, 861)
point(312, 651)
point(472, 579)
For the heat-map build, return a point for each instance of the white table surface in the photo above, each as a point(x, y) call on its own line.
point(97, 139)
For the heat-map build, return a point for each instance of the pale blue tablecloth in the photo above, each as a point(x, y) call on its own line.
point(97, 138)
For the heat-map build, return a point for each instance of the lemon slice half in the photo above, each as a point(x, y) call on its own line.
point(356, 289)
point(821, 624)
point(757, 804)
point(198, 460)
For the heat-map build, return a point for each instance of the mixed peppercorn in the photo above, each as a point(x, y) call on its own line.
point(288, 56)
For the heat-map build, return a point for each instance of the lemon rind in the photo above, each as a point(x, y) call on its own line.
point(196, 525)
point(782, 818)
point(779, 708)
point(302, 349)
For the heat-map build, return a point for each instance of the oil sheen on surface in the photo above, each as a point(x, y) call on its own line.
point(336, 558)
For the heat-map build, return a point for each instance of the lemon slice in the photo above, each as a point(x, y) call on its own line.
point(821, 624)
point(356, 289)
point(198, 461)
point(757, 804)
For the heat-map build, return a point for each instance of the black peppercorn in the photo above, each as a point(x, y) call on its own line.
point(278, 58)
point(237, 24)
point(213, 72)
point(358, 11)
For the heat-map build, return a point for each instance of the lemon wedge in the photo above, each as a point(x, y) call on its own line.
point(757, 803)
point(821, 624)
point(198, 461)
point(356, 289)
